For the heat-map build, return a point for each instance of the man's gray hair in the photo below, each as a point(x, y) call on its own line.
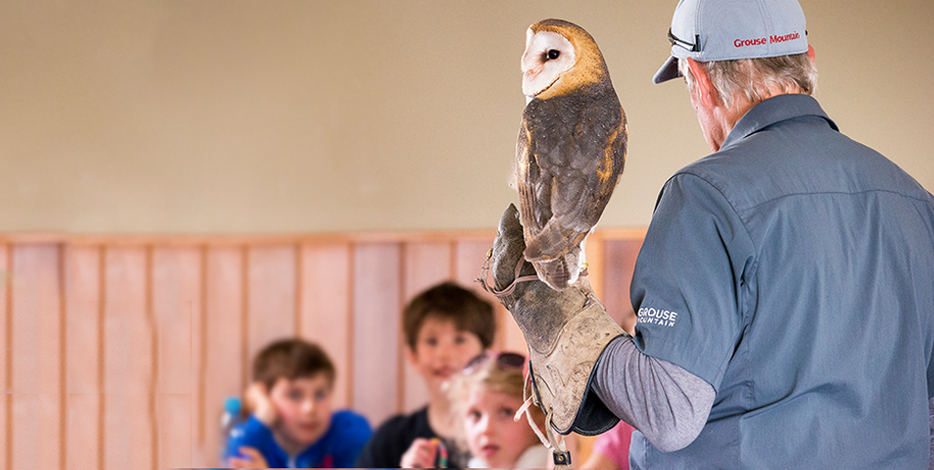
point(756, 77)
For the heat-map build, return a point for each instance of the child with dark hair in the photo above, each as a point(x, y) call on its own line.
point(444, 326)
point(292, 424)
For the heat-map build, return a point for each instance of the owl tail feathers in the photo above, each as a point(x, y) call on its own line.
point(556, 254)
point(561, 272)
point(553, 242)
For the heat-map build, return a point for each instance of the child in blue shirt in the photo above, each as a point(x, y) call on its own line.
point(292, 425)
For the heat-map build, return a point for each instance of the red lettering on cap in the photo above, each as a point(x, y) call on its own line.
point(749, 42)
point(788, 37)
point(769, 40)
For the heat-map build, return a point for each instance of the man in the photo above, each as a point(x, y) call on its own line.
point(784, 291)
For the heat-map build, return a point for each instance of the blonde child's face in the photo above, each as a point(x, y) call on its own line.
point(303, 406)
point(491, 432)
point(442, 350)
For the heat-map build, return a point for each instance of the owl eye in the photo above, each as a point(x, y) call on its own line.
point(553, 54)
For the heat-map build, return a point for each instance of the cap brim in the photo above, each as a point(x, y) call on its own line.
point(668, 71)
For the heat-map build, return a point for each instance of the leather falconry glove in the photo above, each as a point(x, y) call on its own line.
point(566, 333)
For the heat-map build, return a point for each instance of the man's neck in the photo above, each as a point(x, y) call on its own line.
point(728, 117)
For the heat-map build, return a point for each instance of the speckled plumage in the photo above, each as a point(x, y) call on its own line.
point(571, 147)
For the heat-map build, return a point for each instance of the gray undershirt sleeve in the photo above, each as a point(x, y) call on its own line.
point(668, 404)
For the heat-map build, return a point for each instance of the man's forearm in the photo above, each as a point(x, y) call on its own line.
point(668, 404)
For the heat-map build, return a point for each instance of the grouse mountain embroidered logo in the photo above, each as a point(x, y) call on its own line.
point(655, 316)
point(769, 40)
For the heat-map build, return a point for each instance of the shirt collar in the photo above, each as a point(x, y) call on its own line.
point(773, 110)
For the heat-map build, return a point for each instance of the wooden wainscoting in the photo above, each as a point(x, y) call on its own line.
point(117, 352)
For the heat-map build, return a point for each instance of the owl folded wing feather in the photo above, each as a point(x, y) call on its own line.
point(578, 162)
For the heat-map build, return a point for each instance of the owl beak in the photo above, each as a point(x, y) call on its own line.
point(530, 74)
point(528, 78)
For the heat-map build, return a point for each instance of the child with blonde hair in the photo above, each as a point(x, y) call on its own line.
point(487, 395)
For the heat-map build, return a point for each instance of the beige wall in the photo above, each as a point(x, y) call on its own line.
point(225, 116)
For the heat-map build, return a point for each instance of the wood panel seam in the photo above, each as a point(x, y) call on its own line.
point(8, 386)
point(60, 253)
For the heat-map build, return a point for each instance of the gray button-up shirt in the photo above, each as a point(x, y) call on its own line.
point(793, 270)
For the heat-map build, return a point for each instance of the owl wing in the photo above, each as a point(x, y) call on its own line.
point(575, 149)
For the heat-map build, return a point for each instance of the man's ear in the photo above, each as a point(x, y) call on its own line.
point(703, 86)
point(811, 52)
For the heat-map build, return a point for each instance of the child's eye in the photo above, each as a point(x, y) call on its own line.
point(507, 412)
point(431, 341)
point(460, 339)
point(295, 395)
point(320, 395)
point(473, 415)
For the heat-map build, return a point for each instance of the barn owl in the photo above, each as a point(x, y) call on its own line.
point(571, 147)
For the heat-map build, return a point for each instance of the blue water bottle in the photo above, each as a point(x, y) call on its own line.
point(231, 417)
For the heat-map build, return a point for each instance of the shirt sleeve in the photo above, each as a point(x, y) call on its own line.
point(251, 433)
point(668, 404)
point(353, 435)
point(688, 280)
point(380, 450)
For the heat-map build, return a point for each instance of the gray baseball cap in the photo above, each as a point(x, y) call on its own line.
point(709, 30)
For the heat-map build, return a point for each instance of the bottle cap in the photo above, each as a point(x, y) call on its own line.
point(232, 405)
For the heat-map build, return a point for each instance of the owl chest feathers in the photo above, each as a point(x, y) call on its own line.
point(572, 130)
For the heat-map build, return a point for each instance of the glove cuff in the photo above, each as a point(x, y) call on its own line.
point(561, 375)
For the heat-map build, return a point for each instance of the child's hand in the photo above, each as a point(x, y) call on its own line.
point(421, 454)
point(254, 459)
point(258, 399)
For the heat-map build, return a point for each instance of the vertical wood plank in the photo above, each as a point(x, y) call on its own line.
point(224, 345)
point(325, 309)
point(199, 334)
point(596, 262)
point(426, 264)
point(271, 290)
point(376, 337)
point(470, 257)
point(82, 294)
point(128, 365)
point(176, 298)
point(6, 365)
point(620, 260)
point(37, 387)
